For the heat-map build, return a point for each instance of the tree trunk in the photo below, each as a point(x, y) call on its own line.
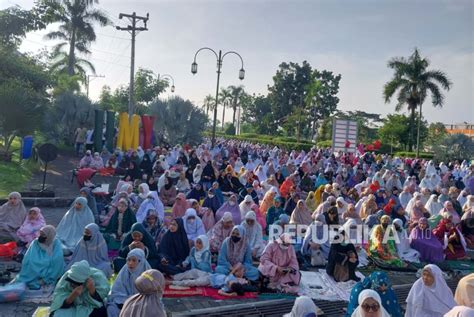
point(234, 107)
point(71, 57)
point(412, 127)
point(223, 115)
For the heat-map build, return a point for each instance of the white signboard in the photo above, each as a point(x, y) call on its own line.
point(344, 135)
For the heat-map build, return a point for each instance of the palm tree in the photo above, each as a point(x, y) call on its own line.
point(413, 81)
point(237, 93)
point(209, 103)
point(225, 97)
point(77, 31)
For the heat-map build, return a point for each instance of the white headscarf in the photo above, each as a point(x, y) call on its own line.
point(460, 311)
point(436, 298)
point(368, 293)
point(433, 206)
point(303, 306)
point(205, 247)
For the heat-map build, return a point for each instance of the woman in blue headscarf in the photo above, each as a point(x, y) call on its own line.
point(92, 248)
point(124, 285)
point(235, 251)
point(71, 227)
point(137, 238)
point(379, 282)
point(43, 261)
point(193, 224)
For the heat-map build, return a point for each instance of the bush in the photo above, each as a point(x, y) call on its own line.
point(230, 130)
point(324, 144)
point(423, 155)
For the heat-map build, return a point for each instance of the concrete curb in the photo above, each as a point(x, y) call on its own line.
point(44, 202)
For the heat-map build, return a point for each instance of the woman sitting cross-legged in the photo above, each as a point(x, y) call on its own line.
point(43, 262)
point(80, 292)
point(120, 223)
point(92, 248)
point(70, 229)
point(342, 259)
point(220, 231)
point(139, 238)
point(236, 250)
point(174, 248)
point(124, 285)
point(279, 263)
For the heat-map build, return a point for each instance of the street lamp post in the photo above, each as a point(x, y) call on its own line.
point(167, 76)
point(220, 58)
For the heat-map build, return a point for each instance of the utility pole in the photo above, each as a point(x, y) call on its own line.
point(88, 79)
point(133, 31)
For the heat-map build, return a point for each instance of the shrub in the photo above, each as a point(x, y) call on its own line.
point(324, 144)
point(423, 155)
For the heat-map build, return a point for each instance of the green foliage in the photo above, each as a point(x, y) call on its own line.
point(396, 130)
point(423, 155)
point(178, 121)
point(230, 129)
point(299, 97)
point(147, 89)
point(324, 144)
point(23, 94)
point(16, 22)
point(269, 140)
point(68, 112)
point(413, 81)
point(455, 147)
point(76, 32)
point(436, 134)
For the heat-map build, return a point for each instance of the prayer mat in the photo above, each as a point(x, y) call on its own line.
point(41, 296)
point(385, 266)
point(175, 291)
point(319, 285)
point(458, 265)
point(41, 312)
point(214, 294)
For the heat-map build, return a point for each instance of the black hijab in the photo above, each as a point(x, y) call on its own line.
point(174, 245)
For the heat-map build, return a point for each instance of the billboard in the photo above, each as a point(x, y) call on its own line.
point(344, 135)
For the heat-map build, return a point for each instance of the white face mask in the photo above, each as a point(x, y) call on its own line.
point(283, 247)
point(231, 203)
point(210, 196)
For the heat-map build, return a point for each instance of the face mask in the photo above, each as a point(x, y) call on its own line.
point(210, 196)
point(283, 247)
point(385, 225)
point(235, 239)
point(42, 239)
point(232, 203)
point(87, 238)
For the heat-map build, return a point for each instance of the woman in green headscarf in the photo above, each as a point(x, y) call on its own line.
point(80, 292)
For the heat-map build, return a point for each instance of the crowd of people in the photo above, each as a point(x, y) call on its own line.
point(207, 216)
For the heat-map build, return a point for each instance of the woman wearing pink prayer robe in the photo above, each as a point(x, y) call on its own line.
point(278, 263)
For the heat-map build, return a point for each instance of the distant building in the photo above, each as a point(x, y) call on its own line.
point(463, 128)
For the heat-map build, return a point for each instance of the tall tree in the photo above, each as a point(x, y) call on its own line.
point(209, 103)
point(238, 93)
point(296, 94)
point(24, 85)
point(414, 81)
point(77, 18)
point(178, 121)
point(225, 98)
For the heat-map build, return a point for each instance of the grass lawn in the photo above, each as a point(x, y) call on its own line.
point(14, 175)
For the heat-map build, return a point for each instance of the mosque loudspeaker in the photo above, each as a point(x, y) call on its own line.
point(47, 153)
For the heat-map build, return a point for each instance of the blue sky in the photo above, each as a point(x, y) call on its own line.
point(353, 38)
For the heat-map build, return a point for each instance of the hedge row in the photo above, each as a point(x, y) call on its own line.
point(269, 140)
point(423, 155)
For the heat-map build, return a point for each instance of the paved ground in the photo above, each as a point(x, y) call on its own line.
point(58, 176)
